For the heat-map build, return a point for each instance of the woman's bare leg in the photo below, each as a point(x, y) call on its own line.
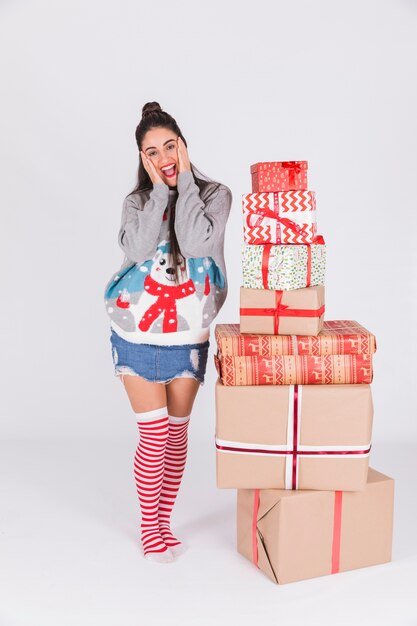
point(144, 395)
point(181, 393)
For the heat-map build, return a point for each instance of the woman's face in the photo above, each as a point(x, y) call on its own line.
point(160, 146)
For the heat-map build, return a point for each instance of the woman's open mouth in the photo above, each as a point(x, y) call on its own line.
point(169, 170)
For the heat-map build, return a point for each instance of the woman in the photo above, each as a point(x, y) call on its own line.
point(161, 302)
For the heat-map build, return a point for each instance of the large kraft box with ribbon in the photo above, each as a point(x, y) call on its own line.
point(296, 535)
point(280, 217)
point(279, 175)
point(293, 436)
point(284, 266)
point(341, 353)
point(275, 312)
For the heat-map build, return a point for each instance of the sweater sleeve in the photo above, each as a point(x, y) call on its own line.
point(200, 226)
point(140, 225)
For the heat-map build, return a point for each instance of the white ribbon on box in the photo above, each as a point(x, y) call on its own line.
point(293, 449)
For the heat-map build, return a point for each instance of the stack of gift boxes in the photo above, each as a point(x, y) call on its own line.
point(294, 406)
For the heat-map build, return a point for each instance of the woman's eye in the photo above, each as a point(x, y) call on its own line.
point(151, 153)
point(171, 145)
point(162, 262)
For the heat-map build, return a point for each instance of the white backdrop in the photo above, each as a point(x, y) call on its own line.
point(330, 82)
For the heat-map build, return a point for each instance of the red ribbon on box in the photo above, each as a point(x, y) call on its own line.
point(308, 279)
point(295, 452)
point(267, 251)
point(337, 528)
point(294, 168)
point(294, 228)
point(337, 515)
point(265, 263)
point(285, 221)
point(254, 520)
point(281, 310)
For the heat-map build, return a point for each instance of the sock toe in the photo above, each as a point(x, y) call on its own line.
point(160, 557)
point(179, 549)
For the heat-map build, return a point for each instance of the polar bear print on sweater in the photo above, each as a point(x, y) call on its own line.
point(172, 306)
point(151, 301)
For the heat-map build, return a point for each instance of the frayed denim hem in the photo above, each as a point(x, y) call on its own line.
point(123, 370)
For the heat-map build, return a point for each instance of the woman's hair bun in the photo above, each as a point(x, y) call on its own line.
point(151, 107)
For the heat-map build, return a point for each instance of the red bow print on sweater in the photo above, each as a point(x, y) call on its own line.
point(166, 303)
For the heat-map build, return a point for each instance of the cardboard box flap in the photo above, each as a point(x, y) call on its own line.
point(270, 498)
point(377, 477)
point(264, 562)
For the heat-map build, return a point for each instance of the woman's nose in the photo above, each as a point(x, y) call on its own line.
point(167, 159)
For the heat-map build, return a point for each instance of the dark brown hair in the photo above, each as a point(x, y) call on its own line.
point(154, 117)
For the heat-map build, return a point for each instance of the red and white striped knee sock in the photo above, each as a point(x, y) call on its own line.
point(149, 472)
point(175, 458)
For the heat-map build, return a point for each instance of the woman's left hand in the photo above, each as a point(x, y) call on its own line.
point(183, 158)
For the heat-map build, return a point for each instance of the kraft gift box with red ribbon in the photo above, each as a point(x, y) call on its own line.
point(293, 436)
point(280, 217)
point(279, 175)
point(284, 267)
point(277, 312)
point(296, 535)
point(341, 353)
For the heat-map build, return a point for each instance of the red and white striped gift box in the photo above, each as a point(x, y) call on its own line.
point(280, 217)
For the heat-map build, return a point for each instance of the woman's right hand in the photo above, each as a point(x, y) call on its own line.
point(150, 168)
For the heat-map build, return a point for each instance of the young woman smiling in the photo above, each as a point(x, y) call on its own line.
point(161, 302)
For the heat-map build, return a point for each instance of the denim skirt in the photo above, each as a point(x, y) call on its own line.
point(159, 364)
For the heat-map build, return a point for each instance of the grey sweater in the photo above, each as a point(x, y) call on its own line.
point(143, 302)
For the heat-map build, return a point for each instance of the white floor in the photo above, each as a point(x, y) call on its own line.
point(69, 548)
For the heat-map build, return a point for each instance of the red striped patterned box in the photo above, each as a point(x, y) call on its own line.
point(340, 354)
